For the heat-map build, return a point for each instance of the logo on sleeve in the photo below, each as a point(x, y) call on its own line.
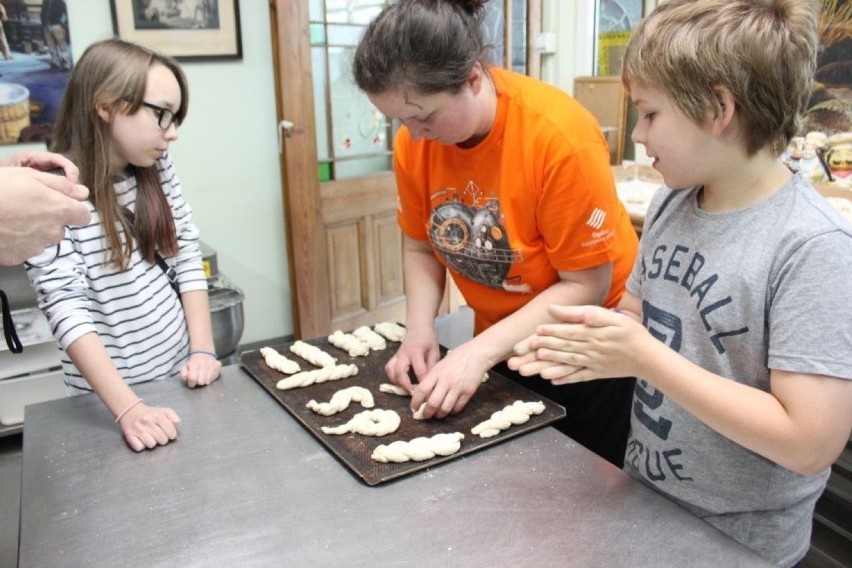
point(596, 219)
point(599, 234)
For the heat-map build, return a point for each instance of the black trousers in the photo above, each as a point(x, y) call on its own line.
point(597, 412)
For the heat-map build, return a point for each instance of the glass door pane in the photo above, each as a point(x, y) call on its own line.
point(615, 19)
point(353, 138)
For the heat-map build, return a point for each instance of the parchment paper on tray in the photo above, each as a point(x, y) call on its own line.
point(354, 450)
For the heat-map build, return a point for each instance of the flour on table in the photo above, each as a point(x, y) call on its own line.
point(514, 414)
point(378, 422)
point(312, 354)
point(279, 362)
point(390, 330)
point(419, 449)
point(349, 343)
point(341, 399)
point(307, 378)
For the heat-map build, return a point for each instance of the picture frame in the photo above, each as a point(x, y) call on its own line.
point(188, 30)
point(36, 61)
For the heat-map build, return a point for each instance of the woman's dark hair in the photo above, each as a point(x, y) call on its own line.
point(426, 46)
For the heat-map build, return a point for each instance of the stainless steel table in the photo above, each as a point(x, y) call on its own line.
point(246, 485)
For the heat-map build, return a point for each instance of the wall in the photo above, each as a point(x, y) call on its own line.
point(227, 161)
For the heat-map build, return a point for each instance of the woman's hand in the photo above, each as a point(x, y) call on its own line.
point(450, 384)
point(418, 353)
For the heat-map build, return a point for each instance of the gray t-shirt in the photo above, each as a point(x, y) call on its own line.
point(739, 294)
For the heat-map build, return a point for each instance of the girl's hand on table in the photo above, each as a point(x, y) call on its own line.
point(201, 370)
point(148, 426)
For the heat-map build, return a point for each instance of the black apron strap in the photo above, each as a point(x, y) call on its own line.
point(9, 331)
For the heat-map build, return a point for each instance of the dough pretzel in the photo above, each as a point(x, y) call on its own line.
point(376, 422)
point(279, 362)
point(516, 413)
point(341, 399)
point(307, 378)
point(390, 330)
point(349, 343)
point(374, 340)
point(312, 354)
point(391, 388)
point(418, 414)
point(418, 449)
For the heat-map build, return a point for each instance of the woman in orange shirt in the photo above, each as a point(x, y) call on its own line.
point(504, 181)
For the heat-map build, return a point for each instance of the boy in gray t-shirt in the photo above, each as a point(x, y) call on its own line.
point(736, 321)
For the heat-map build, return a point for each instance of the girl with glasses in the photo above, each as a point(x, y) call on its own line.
point(126, 295)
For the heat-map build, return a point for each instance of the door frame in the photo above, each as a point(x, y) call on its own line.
point(305, 234)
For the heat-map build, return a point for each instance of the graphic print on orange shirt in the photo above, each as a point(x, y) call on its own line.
point(472, 238)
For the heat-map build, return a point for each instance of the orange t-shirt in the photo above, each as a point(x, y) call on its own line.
point(535, 196)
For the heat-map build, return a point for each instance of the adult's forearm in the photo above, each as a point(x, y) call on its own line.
point(425, 280)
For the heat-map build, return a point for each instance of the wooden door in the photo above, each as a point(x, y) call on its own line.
point(343, 244)
point(606, 99)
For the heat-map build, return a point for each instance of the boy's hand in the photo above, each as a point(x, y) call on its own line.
point(590, 343)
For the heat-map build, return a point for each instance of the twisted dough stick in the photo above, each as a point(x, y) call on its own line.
point(307, 378)
point(349, 343)
point(279, 362)
point(341, 399)
point(391, 388)
point(312, 354)
point(418, 449)
point(376, 422)
point(375, 341)
point(392, 331)
point(418, 414)
point(516, 413)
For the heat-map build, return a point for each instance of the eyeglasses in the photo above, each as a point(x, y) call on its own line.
point(165, 117)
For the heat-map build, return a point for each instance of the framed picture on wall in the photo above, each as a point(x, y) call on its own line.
point(35, 60)
point(188, 30)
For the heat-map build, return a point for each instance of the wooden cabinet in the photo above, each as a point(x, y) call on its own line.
point(606, 99)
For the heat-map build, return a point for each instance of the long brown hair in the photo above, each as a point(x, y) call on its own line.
point(115, 73)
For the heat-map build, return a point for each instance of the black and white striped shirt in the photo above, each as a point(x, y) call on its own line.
point(135, 312)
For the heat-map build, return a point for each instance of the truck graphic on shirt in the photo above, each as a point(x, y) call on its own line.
point(472, 238)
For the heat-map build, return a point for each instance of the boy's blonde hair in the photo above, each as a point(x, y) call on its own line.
point(763, 51)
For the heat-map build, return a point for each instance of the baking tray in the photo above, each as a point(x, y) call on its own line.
point(354, 450)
